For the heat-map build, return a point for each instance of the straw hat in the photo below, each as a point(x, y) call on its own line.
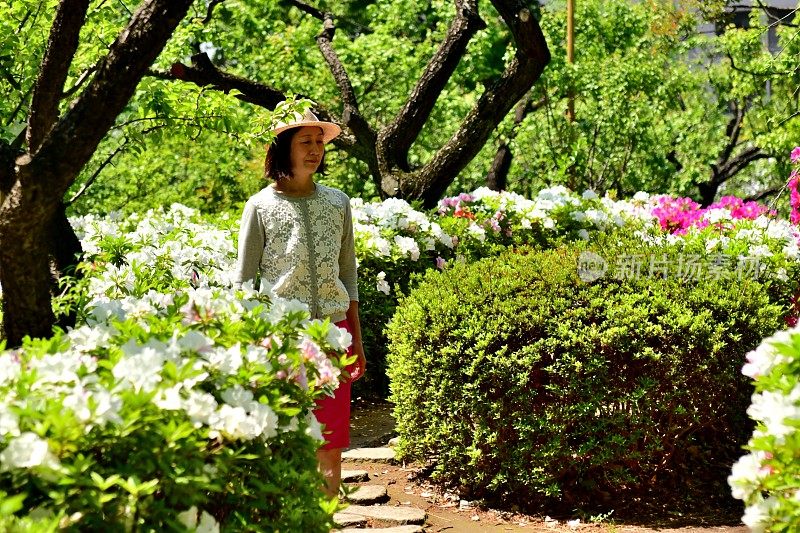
point(296, 120)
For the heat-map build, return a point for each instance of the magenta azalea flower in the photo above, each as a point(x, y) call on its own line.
point(794, 199)
point(677, 215)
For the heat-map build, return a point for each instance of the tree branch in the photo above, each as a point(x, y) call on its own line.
point(737, 164)
point(324, 41)
point(764, 194)
point(9, 77)
point(210, 10)
point(782, 20)
point(395, 140)
point(204, 74)
point(365, 136)
point(305, 8)
point(96, 173)
point(61, 47)
point(319, 15)
point(732, 131)
point(722, 172)
point(80, 81)
point(73, 139)
point(768, 74)
point(532, 56)
point(13, 115)
point(497, 177)
point(7, 156)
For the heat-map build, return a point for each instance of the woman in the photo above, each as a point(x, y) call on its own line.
point(299, 235)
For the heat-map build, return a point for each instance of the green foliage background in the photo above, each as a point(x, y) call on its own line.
point(651, 104)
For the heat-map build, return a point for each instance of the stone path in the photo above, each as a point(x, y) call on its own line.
point(368, 500)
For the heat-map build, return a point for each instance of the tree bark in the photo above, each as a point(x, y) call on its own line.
point(61, 47)
point(728, 165)
point(65, 252)
point(365, 138)
point(497, 178)
point(41, 178)
point(203, 73)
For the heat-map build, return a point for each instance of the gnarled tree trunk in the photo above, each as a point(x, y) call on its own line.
point(59, 147)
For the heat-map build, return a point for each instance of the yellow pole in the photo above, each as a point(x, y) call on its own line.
point(571, 56)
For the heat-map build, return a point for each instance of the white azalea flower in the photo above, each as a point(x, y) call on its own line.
point(237, 396)
point(775, 409)
point(408, 246)
point(199, 407)
point(476, 231)
point(757, 515)
point(142, 369)
point(314, 429)
point(9, 367)
point(27, 451)
point(382, 285)
point(9, 421)
point(339, 338)
point(226, 360)
point(746, 475)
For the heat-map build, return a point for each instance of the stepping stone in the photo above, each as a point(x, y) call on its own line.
point(354, 476)
point(396, 529)
point(368, 495)
point(346, 519)
point(390, 515)
point(369, 454)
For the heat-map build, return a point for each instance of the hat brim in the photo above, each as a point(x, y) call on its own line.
point(329, 130)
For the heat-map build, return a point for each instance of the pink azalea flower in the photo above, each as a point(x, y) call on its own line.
point(795, 157)
point(677, 215)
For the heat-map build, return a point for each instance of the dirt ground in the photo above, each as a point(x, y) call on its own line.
point(372, 425)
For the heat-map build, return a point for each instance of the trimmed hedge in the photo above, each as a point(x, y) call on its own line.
point(524, 384)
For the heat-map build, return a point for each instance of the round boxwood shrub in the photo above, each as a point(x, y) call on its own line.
point(522, 383)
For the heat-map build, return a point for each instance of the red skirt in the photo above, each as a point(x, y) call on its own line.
point(334, 412)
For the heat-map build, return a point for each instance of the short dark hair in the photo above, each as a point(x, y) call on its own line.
point(278, 164)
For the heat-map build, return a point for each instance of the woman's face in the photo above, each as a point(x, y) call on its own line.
point(306, 151)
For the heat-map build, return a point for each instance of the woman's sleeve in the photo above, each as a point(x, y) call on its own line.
point(347, 255)
point(251, 245)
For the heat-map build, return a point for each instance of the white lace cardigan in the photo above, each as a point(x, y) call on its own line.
point(303, 248)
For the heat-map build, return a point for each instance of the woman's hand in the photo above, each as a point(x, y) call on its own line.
point(360, 366)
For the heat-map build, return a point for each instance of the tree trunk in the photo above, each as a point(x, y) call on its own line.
point(25, 273)
point(497, 178)
point(66, 252)
point(708, 191)
point(32, 206)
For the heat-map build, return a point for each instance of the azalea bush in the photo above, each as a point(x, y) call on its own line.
point(767, 479)
point(523, 383)
point(177, 403)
